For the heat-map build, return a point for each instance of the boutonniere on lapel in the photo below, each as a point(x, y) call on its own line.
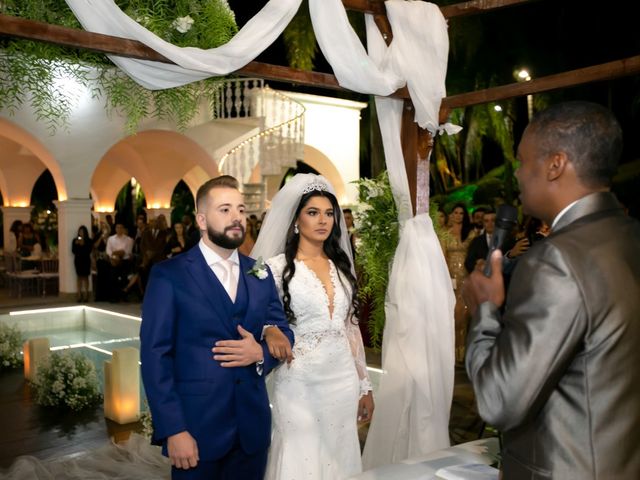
point(259, 269)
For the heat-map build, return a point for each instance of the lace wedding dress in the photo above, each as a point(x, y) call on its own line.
point(315, 397)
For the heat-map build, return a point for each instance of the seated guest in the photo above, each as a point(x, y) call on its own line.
point(119, 249)
point(27, 240)
point(11, 242)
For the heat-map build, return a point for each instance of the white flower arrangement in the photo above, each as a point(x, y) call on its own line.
point(10, 345)
point(183, 24)
point(146, 422)
point(68, 380)
point(259, 269)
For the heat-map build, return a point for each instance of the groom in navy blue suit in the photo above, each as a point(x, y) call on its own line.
point(209, 405)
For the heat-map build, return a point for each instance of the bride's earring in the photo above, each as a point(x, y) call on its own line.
point(295, 228)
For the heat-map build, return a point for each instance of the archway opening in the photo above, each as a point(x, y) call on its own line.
point(182, 202)
point(301, 167)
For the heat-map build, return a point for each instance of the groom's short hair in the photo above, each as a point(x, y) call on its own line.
point(223, 181)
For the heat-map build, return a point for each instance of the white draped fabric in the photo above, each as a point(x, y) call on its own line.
point(414, 399)
point(342, 48)
point(192, 64)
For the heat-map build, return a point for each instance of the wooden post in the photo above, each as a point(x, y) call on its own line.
point(409, 141)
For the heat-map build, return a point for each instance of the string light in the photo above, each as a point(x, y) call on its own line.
point(269, 130)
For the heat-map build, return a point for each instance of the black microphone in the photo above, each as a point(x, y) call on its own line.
point(506, 220)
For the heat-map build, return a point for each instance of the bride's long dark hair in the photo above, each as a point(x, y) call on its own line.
point(331, 248)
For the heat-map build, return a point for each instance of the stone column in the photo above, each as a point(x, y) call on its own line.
point(71, 214)
point(11, 214)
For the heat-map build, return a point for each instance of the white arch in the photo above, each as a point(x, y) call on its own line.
point(158, 159)
point(23, 160)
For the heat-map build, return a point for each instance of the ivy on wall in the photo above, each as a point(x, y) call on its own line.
point(31, 72)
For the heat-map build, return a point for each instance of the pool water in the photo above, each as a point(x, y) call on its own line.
point(92, 331)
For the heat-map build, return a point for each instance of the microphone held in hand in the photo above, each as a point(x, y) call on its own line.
point(506, 220)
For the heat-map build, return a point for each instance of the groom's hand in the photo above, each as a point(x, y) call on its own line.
point(238, 353)
point(183, 450)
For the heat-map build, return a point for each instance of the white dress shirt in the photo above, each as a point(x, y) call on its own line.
point(561, 214)
point(217, 266)
point(115, 243)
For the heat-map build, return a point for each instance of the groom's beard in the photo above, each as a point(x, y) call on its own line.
point(225, 241)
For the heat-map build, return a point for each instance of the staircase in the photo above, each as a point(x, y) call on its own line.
point(277, 145)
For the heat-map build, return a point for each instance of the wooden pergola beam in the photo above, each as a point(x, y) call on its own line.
point(107, 44)
point(412, 135)
point(28, 29)
point(448, 11)
point(605, 71)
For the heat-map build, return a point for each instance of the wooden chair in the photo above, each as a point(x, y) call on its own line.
point(20, 281)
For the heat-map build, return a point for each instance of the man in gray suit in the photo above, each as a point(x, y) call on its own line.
point(559, 371)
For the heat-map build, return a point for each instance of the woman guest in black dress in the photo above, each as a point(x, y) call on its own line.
point(82, 247)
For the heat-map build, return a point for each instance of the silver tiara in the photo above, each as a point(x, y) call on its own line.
point(315, 185)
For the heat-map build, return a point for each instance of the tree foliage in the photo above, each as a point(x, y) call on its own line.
point(32, 72)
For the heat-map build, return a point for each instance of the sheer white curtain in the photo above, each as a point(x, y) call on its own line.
point(414, 399)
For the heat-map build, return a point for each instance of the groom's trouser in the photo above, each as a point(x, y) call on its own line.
point(235, 465)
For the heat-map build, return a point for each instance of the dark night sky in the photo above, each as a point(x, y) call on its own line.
point(546, 36)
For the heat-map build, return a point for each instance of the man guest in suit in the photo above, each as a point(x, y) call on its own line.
point(558, 371)
point(209, 405)
point(479, 246)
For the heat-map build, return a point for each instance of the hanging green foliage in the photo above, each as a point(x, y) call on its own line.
point(300, 40)
point(31, 72)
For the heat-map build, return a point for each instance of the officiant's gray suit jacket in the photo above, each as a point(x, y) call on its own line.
point(559, 372)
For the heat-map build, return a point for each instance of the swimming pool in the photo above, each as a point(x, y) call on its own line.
point(93, 331)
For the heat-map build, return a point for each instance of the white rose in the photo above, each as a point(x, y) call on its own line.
point(262, 274)
point(183, 24)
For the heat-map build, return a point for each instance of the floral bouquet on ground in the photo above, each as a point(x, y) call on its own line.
point(10, 345)
point(377, 232)
point(147, 422)
point(67, 380)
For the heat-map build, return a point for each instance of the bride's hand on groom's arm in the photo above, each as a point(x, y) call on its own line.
point(183, 450)
point(238, 353)
point(365, 408)
point(278, 344)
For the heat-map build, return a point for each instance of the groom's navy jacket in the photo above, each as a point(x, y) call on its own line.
point(186, 310)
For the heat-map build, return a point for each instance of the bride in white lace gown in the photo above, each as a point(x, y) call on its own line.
point(319, 396)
